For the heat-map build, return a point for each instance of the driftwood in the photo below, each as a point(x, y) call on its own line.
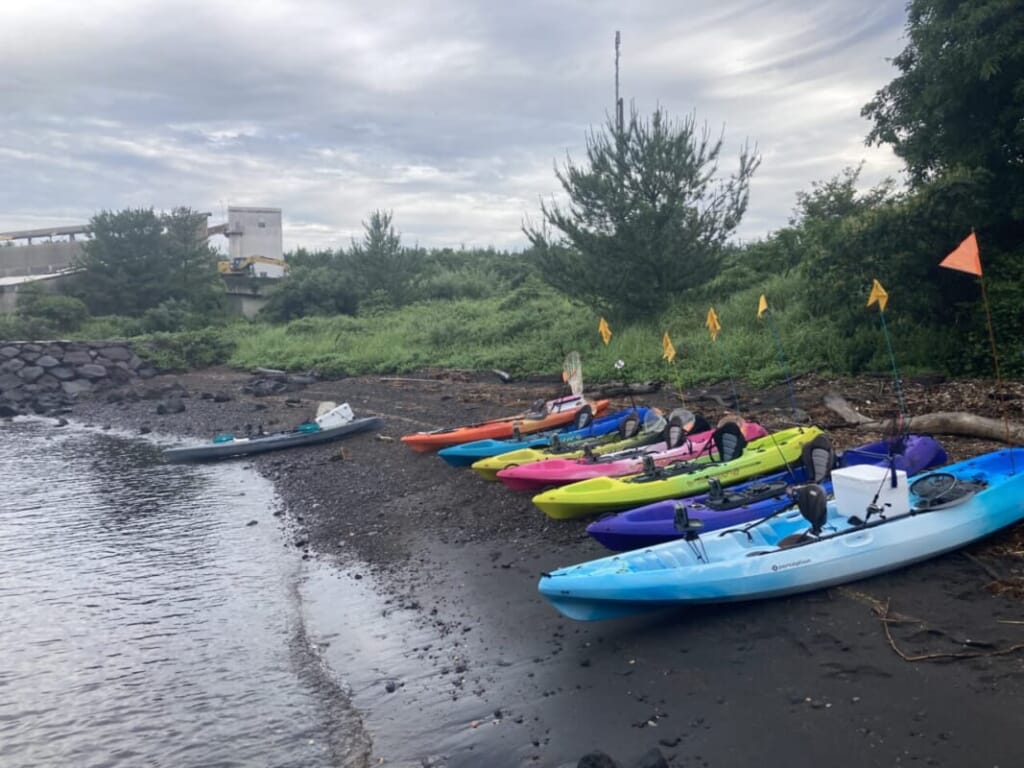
point(939, 423)
point(621, 389)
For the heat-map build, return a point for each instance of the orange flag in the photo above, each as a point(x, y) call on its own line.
point(605, 331)
point(762, 306)
point(713, 324)
point(668, 350)
point(878, 293)
point(965, 258)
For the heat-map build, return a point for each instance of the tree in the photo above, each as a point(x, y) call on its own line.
point(137, 259)
point(647, 215)
point(959, 100)
point(125, 272)
point(380, 263)
point(955, 115)
point(193, 259)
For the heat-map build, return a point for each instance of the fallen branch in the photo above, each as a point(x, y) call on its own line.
point(886, 620)
point(940, 423)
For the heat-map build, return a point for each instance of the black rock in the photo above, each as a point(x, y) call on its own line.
point(596, 760)
point(653, 758)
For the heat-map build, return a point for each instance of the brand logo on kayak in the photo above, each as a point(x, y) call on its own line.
point(794, 564)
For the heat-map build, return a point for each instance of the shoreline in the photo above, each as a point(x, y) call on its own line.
point(779, 682)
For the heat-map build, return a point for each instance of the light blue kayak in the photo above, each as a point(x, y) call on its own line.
point(868, 528)
point(466, 454)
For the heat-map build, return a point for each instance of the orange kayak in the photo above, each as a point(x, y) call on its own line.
point(550, 415)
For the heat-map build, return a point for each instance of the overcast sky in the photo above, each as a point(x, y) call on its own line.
point(452, 114)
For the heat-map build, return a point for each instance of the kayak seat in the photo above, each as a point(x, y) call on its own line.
point(584, 417)
point(729, 441)
point(819, 459)
point(629, 426)
point(675, 433)
point(812, 501)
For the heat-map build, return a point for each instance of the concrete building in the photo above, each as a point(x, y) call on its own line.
point(255, 239)
point(37, 252)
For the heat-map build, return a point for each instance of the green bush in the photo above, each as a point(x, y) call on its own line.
point(190, 349)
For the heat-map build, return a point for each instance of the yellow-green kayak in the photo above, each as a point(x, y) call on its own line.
point(650, 431)
point(614, 494)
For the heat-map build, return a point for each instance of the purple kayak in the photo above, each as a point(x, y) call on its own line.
point(722, 508)
point(539, 475)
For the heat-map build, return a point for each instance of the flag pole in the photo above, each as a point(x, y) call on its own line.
point(765, 310)
point(878, 295)
point(895, 370)
point(714, 327)
point(967, 258)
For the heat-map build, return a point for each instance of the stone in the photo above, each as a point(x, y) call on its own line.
point(116, 353)
point(77, 357)
point(10, 381)
point(61, 372)
point(46, 361)
point(146, 372)
point(92, 371)
point(76, 387)
point(652, 758)
point(13, 365)
point(596, 759)
point(170, 405)
point(7, 410)
point(9, 352)
point(30, 373)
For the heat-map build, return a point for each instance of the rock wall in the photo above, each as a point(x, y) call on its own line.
point(45, 376)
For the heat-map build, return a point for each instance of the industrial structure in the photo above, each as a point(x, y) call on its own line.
point(255, 250)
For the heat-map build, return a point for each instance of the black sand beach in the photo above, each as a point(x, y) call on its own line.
point(468, 666)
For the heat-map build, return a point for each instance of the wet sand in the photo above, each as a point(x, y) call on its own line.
point(460, 662)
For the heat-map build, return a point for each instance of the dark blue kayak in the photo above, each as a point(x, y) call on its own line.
point(228, 446)
point(465, 454)
point(658, 522)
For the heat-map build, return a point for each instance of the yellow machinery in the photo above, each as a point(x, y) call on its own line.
point(249, 265)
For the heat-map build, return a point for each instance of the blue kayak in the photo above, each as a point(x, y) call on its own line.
point(656, 523)
point(466, 454)
point(818, 543)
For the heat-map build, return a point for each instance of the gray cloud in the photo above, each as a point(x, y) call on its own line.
point(451, 115)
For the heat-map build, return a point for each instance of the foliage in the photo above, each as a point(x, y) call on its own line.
point(955, 115)
point(137, 259)
point(190, 349)
point(51, 312)
point(528, 330)
point(325, 289)
point(958, 102)
point(647, 216)
point(380, 263)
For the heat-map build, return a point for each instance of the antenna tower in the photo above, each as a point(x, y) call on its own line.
point(618, 101)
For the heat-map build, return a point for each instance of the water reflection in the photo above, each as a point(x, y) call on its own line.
point(144, 620)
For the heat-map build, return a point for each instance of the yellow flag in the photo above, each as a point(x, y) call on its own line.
point(878, 294)
point(713, 324)
point(668, 350)
point(762, 306)
point(605, 331)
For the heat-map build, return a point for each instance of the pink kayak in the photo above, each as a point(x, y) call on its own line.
point(550, 472)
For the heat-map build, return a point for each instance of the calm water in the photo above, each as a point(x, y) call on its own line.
point(145, 622)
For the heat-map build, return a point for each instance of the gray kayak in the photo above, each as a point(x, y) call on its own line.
point(244, 446)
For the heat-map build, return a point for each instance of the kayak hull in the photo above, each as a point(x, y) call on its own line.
point(652, 524)
point(614, 494)
point(499, 429)
point(546, 473)
point(745, 565)
point(273, 442)
point(466, 454)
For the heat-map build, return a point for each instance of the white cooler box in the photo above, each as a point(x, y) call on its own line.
point(854, 489)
